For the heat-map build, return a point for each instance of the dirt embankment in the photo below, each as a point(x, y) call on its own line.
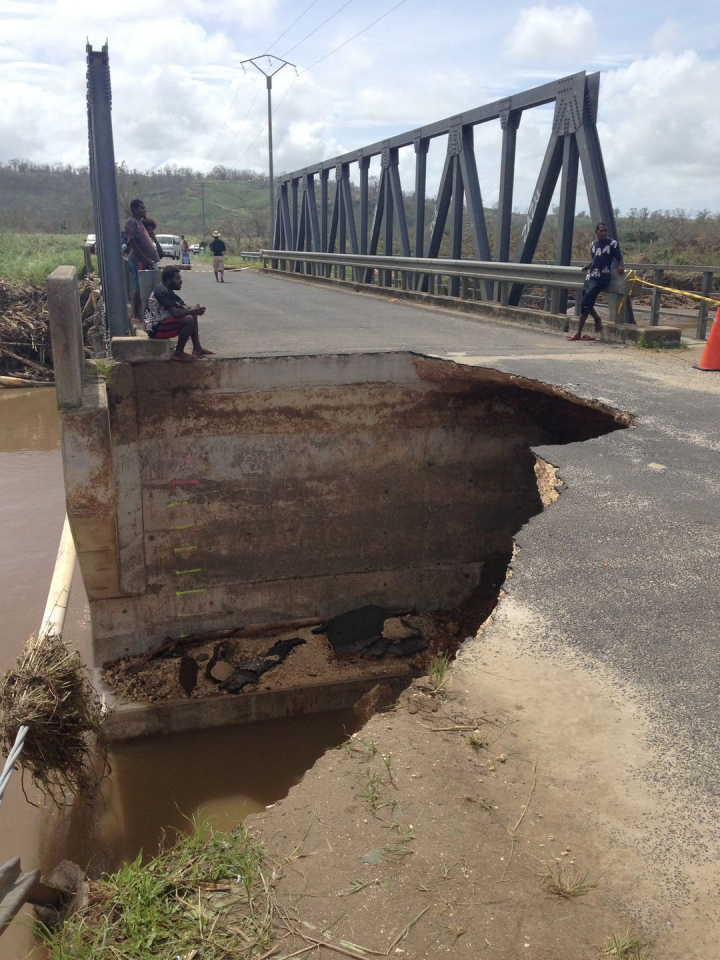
point(433, 831)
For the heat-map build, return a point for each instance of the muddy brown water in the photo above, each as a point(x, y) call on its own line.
point(221, 775)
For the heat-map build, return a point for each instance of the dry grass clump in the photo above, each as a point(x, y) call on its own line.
point(49, 691)
point(567, 883)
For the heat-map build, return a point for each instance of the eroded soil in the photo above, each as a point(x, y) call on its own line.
point(434, 831)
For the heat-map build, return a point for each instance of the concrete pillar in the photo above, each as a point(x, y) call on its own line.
point(66, 336)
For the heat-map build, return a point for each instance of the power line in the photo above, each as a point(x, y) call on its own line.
point(232, 142)
point(318, 27)
point(227, 116)
point(335, 50)
point(386, 14)
point(291, 25)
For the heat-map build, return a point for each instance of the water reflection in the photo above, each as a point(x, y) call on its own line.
point(28, 420)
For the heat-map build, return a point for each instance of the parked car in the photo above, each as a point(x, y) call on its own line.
point(90, 242)
point(195, 248)
point(169, 244)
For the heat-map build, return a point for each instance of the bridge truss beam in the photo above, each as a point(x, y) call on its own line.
point(573, 145)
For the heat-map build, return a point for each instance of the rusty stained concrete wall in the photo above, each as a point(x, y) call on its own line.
point(255, 491)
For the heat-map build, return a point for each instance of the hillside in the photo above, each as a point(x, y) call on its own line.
point(56, 199)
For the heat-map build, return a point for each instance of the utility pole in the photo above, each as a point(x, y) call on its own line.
point(202, 200)
point(269, 72)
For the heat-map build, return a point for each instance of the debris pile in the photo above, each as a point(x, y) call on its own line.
point(25, 348)
point(230, 661)
point(49, 691)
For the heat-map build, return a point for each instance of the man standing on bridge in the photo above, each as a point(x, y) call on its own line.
point(218, 248)
point(143, 251)
point(168, 317)
point(605, 259)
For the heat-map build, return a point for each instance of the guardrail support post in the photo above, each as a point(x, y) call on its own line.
point(705, 290)
point(656, 295)
point(463, 288)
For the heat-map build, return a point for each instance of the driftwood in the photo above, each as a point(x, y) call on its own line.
point(28, 363)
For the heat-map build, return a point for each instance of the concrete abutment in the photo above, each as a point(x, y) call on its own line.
point(264, 490)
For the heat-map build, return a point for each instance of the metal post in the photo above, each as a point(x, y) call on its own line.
point(202, 200)
point(105, 199)
point(271, 59)
point(705, 290)
point(566, 218)
point(270, 154)
point(656, 296)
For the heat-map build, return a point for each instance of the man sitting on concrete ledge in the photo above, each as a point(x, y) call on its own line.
point(168, 317)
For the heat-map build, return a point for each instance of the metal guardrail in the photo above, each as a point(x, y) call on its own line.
point(706, 286)
point(488, 280)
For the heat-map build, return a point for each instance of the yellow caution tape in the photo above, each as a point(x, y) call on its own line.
point(632, 278)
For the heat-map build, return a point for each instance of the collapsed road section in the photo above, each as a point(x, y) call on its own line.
point(250, 498)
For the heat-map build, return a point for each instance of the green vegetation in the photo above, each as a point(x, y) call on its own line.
point(208, 894)
point(56, 200)
point(438, 673)
point(649, 344)
point(33, 256)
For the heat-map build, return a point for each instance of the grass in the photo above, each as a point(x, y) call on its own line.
point(438, 673)
point(105, 368)
point(363, 750)
point(567, 883)
point(627, 946)
point(370, 791)
point(646, 344)
point(208, 894)
point(34, 256)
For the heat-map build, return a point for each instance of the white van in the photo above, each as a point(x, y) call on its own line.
point(169, 244)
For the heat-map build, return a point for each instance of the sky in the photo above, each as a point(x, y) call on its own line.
point(363, 70)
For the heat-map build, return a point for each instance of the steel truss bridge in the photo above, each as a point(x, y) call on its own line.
point(334, 224)
point(304, 223)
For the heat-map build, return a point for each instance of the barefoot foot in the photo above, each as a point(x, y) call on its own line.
point(183, 358)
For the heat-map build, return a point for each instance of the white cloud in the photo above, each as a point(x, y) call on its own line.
point(661, 132)
point(550, 35)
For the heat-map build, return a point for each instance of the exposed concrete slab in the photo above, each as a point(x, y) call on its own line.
point(141, 349)
point(127, 721)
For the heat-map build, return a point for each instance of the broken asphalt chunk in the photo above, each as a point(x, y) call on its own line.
point(188, 674)
point(357, 629)
point(239, 679)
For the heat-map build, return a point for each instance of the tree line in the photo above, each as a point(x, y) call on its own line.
point(56, 198)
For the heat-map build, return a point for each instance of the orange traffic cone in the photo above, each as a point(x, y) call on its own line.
point(710, 359)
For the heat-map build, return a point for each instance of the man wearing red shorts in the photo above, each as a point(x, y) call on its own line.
point(168, 317)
